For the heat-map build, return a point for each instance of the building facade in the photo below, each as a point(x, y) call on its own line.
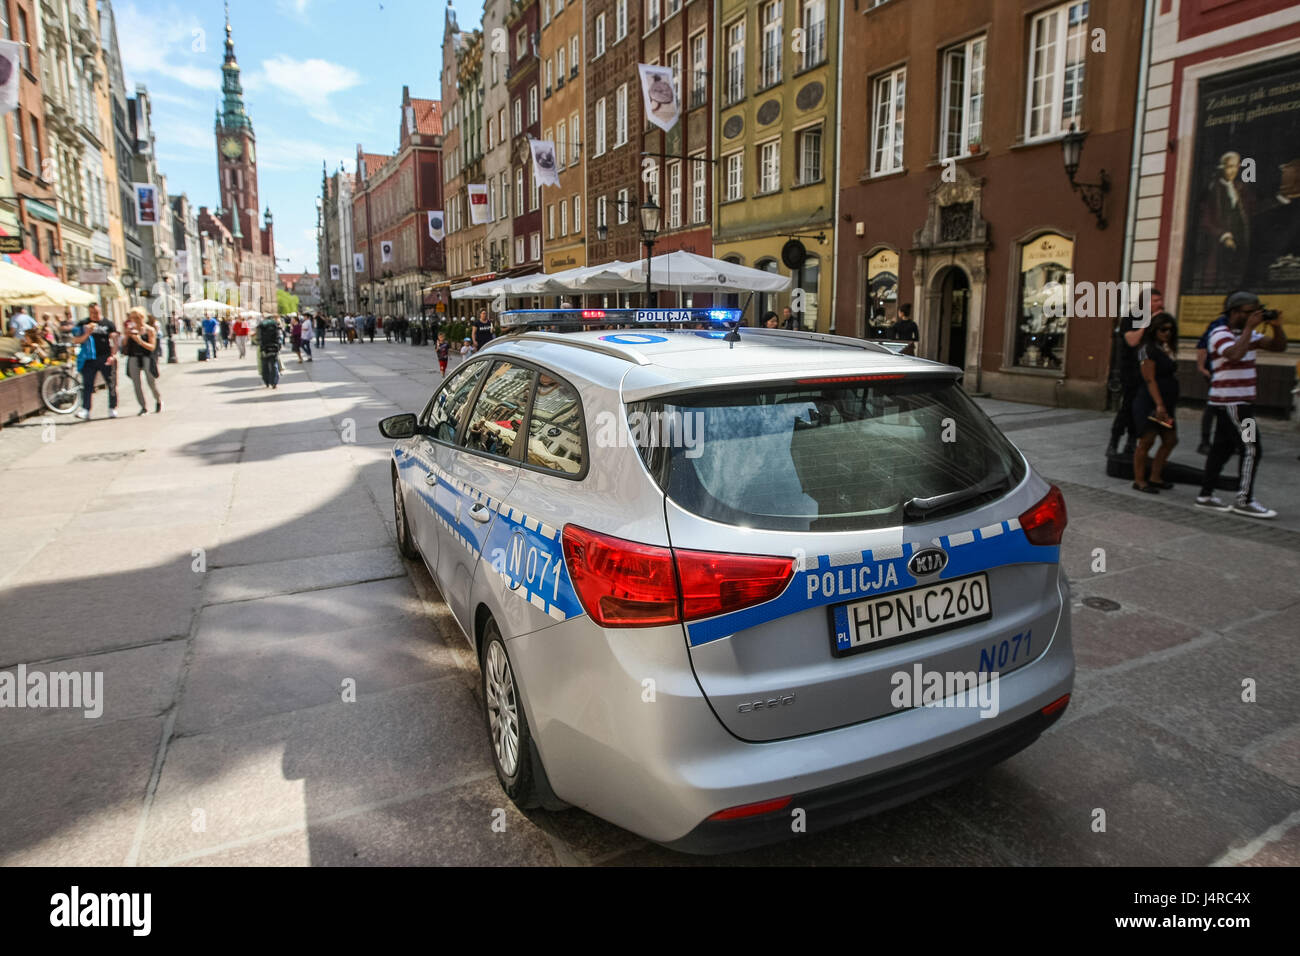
point(564, 244)
point(470, 238)
point(1217, 203)
point(497, 167)
point(523, 84)
point(159, 287)
point(187, 250)
point(954, 194)
point(130, 266)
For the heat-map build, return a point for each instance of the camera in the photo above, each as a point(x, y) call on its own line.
point(1270, 315)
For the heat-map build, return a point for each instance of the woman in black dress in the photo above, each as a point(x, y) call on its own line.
point(1154, 404)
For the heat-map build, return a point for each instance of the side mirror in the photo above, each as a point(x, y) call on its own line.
point(398, 427)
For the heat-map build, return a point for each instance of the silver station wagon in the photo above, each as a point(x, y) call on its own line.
point(730, 586)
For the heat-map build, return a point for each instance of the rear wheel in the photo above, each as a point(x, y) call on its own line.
point(508, 733)
point(61, 392)
point(404, 542)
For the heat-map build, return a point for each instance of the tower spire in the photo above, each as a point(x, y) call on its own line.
point(233, 115)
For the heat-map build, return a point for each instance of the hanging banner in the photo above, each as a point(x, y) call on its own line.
point(480, 211)
point(544, 171)
point(9, 72)
point(386, 251)
point(334, 272)
point(146, 204)
point(358, 262)
point(661, 106)
point(436, 232)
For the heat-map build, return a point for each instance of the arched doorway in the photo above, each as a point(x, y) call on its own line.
point(950, 298)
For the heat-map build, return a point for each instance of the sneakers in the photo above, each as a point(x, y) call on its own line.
point(143, 411)
point(158, 407)
point(82, 414)
point(1212, 503)
point(1203, 448)
point(1252, 509)
point(112, 413)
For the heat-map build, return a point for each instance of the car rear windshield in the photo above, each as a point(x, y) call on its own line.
point(854, 453)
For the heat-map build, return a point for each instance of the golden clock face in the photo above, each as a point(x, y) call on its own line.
point(231, 149)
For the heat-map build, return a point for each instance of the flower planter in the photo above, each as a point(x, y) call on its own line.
point(20, 396)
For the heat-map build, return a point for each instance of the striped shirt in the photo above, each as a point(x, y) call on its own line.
point(1231, 383)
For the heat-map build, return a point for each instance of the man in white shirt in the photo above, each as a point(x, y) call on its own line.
point(19, 323)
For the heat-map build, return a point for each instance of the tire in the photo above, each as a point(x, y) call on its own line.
point(509, 738)
point(61, 393)
point(405, 544)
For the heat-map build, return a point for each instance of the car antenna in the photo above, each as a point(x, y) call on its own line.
point(733, 335)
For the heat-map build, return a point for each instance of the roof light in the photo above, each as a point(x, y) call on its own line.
point(537, 318)
point(844, 379)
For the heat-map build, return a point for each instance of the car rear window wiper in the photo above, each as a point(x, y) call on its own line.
point(923, 507)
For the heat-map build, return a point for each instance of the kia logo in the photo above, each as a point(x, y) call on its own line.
point(927, 561)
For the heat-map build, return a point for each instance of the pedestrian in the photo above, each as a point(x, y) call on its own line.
point(268, 352)
point(19, 323)
point(1203, 366)
point(321, 325)
point(790, 321)
point(370, 327)
point(1128, 338)
point(210, 327)
point(1232, 349)
point(387, 326)
point(444, 350)
point(770, 321)
point(306, 335)
point(482, 330)
point(225, 332)
point(1155, 403)
point(141, 349)
point(98, 338)
point(295, 338)
point(350, 324)
point(905, 330)
point(241, 337)
point(466, 349)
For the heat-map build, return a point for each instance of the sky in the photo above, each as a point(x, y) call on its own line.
point(319, 77)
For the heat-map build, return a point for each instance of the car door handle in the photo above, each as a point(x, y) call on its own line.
point(481, 513)
point(430, 478)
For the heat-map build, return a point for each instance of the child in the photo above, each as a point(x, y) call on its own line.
point(466, 350)
point(444, 348)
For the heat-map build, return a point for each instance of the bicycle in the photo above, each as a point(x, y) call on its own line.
point(61, 390)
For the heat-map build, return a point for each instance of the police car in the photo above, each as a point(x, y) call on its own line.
point(731, 585)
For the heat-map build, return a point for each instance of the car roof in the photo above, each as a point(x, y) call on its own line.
point(647, 361)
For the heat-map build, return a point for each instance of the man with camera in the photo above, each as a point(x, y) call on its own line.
point(1232, 395)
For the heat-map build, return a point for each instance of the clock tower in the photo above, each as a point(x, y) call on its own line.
point(236, 152)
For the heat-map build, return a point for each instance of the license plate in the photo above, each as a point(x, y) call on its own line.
point(904, 615)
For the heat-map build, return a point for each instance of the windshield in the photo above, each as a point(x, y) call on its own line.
point(849, 455)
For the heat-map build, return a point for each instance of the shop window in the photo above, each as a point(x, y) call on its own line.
point(1045, 261)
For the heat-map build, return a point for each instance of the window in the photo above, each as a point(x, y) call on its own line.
point(699, 206)
point(36, 148)
point(1057, 50)
point(519, 250)
point(555, 434)
point(519, 191)
point(808, 153)
point(501, 123)
point(561, 144)
point(575, 138)
point(810, 283)
point(620, 20)
point(600, 127)
point(490, 124)
point(559, 5)
point(620, 116)
point(550, 221)
point(963, 99)
point(651, 15)
point(814, 32)
point(559, 67)
point(887, 131)
point(500, 410)
point(521, 44)
point(699, 70)
point(550, 78)
point(532, 105)
point(674, 210)
point(573, 52)
point(602, 213)
point(505, 196)
point(564, 218)
point(546, 13)
point(600, 35)
point(4, 21)
point(767, 301)
point(769, 166)
point(535, 245)
point(671, 7)
point(770, 64)
point(492, 198)
point(735, 33)
point(446, 410)
point(23, 39)
point(624, 210)
point(675, 64)
point(1045, 261)
point(20, 147)
point(577, 214)
point(735, 176)
point(519, 116)
point(535, 197)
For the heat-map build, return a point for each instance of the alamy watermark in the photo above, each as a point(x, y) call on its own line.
point(922, 688)
point(82, 690)
point(673, 429)
point(1097, 300)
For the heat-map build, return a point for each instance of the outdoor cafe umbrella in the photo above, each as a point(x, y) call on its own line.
point(19, 285)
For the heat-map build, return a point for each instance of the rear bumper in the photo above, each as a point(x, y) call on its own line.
point(842, 803)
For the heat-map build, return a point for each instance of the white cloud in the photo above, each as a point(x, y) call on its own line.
point(283, 154)
point(309, 83)
point(169, 43)
point(297, 8)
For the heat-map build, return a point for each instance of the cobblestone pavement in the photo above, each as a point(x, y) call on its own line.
point(224, 738)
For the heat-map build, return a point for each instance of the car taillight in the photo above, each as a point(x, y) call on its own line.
point(714, 583)
point(621, 583)
point(752, 809)
point(1044, 523)
point(627, 584)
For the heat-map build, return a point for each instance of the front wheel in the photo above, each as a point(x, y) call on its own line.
point(404, 543)
point(512, 751)
point(61, 392)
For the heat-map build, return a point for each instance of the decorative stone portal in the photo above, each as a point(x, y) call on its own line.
point(949, 274)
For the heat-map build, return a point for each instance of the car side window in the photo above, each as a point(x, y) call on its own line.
point(555, 431)
point(500, 410)
point(447, 408)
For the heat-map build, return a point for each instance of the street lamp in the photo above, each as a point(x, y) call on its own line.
point(1092, 194)
point(649, 233)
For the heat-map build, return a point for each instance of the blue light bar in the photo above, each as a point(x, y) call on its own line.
point(535, 318)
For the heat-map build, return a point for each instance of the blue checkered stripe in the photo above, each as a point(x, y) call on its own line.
point(552, 597)
point(884, 570)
